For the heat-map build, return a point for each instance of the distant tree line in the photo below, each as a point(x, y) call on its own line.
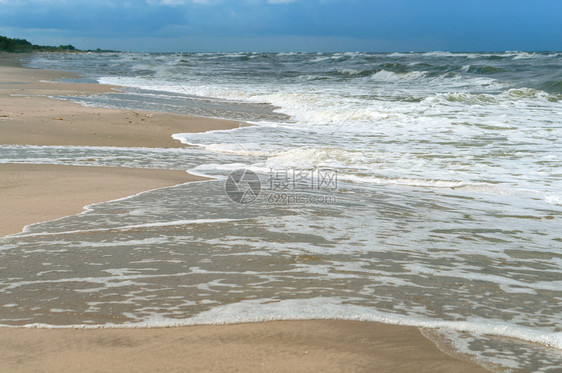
point(22, 45)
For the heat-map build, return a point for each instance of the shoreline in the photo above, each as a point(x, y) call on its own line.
point(30, 118)
point(66, 190)
point(278, 346)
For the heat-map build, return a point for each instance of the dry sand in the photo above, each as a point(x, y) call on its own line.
point(32, 193)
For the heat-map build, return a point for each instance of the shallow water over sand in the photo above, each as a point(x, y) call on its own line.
point(446, 213)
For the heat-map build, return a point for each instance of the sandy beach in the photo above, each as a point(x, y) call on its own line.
point(28, 117)
point(279, 346)
point(34, 193)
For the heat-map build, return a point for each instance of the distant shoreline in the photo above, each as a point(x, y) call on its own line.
point(15, 45)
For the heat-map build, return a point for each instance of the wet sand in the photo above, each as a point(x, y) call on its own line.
point(36, 193)
point(33, 193)
point(28, 117)
point(278, 346)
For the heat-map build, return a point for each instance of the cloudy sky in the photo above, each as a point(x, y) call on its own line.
point(287, 25)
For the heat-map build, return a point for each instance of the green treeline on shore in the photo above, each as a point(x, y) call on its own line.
point(21, 45)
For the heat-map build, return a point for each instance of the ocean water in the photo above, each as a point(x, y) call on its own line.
point(441, 207)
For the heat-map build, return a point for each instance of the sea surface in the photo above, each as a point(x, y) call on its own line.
point(417, 189)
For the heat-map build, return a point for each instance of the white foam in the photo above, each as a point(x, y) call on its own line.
point(553, 199)
point(304, 158)
point(327, 308)
point(387, 76)
point(209, 169)
point(132, 227)
point(403, 181)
